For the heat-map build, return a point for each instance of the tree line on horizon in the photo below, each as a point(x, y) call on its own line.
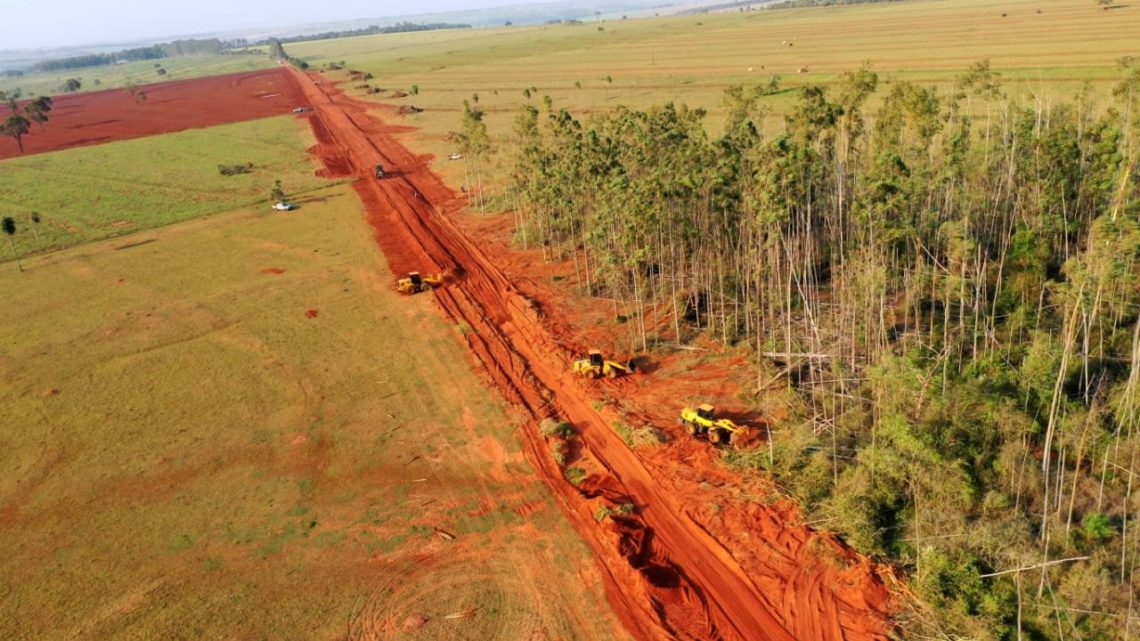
point(949, 303)
point(372, 30)
point(173, 49)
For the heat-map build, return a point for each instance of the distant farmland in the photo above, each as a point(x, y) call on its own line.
point(1047, 49)
point(113, 189)
point(139, 73)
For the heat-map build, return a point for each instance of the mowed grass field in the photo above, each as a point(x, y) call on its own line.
point(1045, 49)
point(90, 193)
point(140, 73)
point(233, 428)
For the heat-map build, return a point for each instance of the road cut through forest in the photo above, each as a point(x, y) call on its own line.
point(667, 575)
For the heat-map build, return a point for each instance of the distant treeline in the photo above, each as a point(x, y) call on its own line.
point(790, 4)
point(98, 59)
point(277, 52)
point(400, 27)
point(725, 6)
point(212, 46)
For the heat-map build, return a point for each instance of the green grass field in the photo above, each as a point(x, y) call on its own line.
point(233, 428)
point(140, 72)
point(691, 59)
point(106, 190)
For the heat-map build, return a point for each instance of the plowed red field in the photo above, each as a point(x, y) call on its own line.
point(671, 573)
point(107, 116)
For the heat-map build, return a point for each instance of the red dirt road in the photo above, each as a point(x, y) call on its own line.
point(667, 576)
point(106, 116)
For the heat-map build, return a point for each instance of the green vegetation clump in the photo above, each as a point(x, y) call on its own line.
point(233, 170)
point(558, 452)
point(553, 427)
point(575, 475)
point(636, 437)
point(621, 509)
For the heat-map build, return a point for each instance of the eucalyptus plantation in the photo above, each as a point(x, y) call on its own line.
point(949, 287)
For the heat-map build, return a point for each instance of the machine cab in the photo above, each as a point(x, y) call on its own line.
point(596, 358)
point(705, 411)
point(416, 279)
point(379, 171)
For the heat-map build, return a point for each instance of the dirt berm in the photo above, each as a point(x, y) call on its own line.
point(667, 577)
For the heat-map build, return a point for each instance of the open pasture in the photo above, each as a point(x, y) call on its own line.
point(118, 188)
point(232, 427)
point(1045, 50)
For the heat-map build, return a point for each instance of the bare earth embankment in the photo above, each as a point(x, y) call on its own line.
point(667, 574)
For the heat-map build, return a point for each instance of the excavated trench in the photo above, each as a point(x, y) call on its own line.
point(666, 576)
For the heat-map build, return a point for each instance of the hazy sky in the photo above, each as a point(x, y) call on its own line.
point(51, 23)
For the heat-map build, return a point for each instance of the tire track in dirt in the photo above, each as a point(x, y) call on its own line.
point(667, 576)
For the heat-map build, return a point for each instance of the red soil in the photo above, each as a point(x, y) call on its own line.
point(107, 116)
point(312, 313)
point(675, 568)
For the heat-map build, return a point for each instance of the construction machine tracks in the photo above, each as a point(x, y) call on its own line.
point(667, 577)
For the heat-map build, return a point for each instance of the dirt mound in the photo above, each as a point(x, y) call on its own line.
point(668, 576)
point(106, 116)
point(413, 623)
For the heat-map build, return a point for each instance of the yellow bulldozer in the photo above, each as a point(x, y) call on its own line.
point(702, 421)
point(414, 283)
point(595, 365)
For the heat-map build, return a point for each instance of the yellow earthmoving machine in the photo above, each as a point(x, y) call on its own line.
point(595, 365)
point(702, 421)
point(414, 283)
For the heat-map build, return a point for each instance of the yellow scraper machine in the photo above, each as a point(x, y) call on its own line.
point(702, 422)
point(595, 366)
point(415, 283)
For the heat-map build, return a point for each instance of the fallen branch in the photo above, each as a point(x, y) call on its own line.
point(790, 355)
point(1033, 567)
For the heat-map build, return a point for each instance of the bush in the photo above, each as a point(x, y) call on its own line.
point(639, 436)
point(622, 509)
point(553, 427)
point(1098, 527)
point(575, 475)
point(234, 170)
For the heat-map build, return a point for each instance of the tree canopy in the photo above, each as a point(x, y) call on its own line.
point(951, 303)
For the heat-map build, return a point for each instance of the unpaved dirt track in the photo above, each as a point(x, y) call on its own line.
point(106, 116)
point(667, 577)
